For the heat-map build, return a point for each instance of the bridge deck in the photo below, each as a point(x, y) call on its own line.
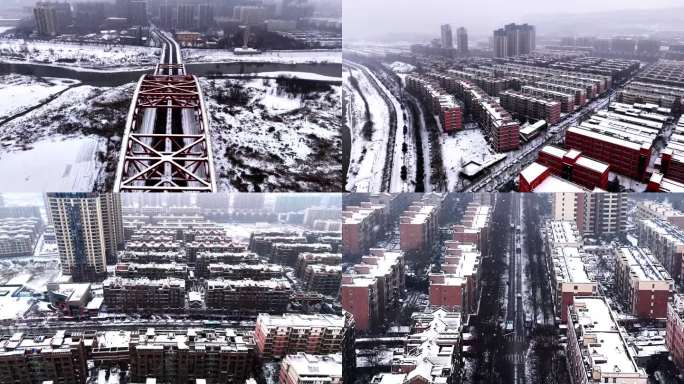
point(166, 145)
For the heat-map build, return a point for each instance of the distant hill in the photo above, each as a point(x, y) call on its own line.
point(627, 22)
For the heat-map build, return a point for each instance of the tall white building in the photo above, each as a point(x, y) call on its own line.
point(89, 229)
point(564, 206)
point(447, 36)
point(594, 213)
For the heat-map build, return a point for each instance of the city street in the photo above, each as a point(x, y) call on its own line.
point(514, 328)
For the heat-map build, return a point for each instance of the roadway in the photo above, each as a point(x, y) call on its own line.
point(515, 311)
point(395, 158)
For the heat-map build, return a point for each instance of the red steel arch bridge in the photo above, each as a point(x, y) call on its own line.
point(166, 145)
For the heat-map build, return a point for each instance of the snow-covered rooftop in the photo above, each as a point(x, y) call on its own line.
point(601, 340)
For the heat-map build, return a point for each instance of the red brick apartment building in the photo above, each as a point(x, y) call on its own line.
point(674, 338)
point(502, 132)
point(419, 225)
point(642, 283)
point(290, 333)
point(530, 106)
point(474, 227)
point(373, 287)
point(362, 226)
point(572, 166)
point(672, 157)
point(438, 101)
point(625, 157)
point(566, 100)
point(455, 288)
point(540, 178)
point(617, 138)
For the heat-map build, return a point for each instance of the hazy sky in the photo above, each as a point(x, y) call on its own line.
point(381, 17)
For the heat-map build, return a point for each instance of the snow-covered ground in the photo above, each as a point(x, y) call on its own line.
point(367, 156)
point(401, 67)
point(58, 164)
point(192, 55)
point(18, 93)
point(292, 75)
point(268, 139)
point(396, 184)
point(459, 149)
point(69, 144)
point(77, 56)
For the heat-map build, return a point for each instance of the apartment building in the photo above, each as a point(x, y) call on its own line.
point(672, 157)
point(58, 358)
point(625, 146)
point(86, 231)
point(501, 130)
point(570, 165)
point(540, 178)
point(289, 334)
point(656, 210)
point(305, 259)
point(438, 102)
point(431, 353)
point(373, 286)
point(231, 271)
point(531, 107)
point(144, 295)
point(642, 283)
point(456, 286)
point(152, 271)
point(514, 40)
point(304, 368)
point(475, 227)
point(248, 296)
point(182, 356)
point(597, 351)
point(564, 249)
point(674, 338)
point(419, 225)
point(204, 259)
point(666, 242)
point(324, 279)
point(288, 253)
point(362, 226)
point(18, 236)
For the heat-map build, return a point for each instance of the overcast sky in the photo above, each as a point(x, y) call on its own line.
point(373, 18)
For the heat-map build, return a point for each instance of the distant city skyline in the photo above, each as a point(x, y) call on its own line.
point(480, 20)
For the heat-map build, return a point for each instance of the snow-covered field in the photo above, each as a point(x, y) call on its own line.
point(18, 93)
point(77, 56)
point(367, 156)
point(71, 143)
point(265, 138)
point(401, 67)
point(59, 164)
point(292, 75)
point(459, 149)
point(192, 55)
